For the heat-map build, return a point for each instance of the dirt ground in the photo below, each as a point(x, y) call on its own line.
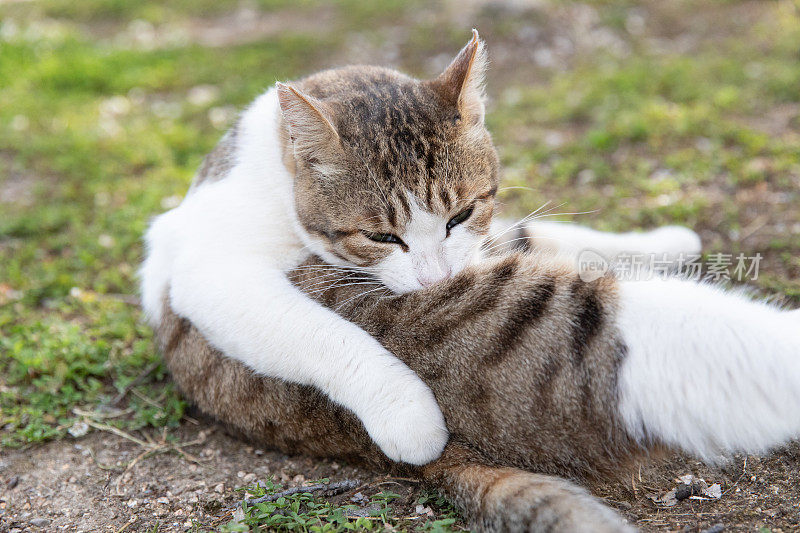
point(83, 485)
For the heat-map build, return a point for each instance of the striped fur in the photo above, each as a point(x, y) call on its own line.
point(521, 355)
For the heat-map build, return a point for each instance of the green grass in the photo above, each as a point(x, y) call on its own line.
point(100, 135)
point(309, 513)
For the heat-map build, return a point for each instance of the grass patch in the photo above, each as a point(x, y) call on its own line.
point(307, 512)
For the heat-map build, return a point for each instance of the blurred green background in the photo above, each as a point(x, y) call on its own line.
point(645, 113)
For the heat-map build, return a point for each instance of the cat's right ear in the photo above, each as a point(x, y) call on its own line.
point(309, 121)
point(461, 83)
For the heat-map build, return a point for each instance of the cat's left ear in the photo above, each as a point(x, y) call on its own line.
point(309, 121)
point(461, 84)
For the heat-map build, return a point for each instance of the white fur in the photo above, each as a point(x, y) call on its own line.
point(571, 239)
point(708, 371)
point(432, 254)
point(223, 254)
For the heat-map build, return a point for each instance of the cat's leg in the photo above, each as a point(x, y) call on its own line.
point(707, 370)
point(496, 499)
point(563, 238)
point(246, 307)
point(254, 314)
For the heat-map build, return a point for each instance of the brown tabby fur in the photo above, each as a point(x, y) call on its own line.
point(359, 140)
point(521, 355)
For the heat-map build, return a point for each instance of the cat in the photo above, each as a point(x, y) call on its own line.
point(538, 373)
point(366, 168)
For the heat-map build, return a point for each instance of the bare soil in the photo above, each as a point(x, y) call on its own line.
point(85, 485)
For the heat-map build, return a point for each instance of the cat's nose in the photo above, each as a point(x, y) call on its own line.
point(429, 278)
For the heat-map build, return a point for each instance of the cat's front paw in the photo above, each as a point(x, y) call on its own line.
point(675, 241)
point(409, 428)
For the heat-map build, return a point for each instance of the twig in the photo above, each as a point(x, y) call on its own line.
point(97, 414)
point(330, 489)
point(135, 383)
point(118, 432)
point(151, 448)
point(138, 458)
point(129, 522)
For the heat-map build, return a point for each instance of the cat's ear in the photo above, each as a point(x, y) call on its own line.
point(461, 83)
point(309, 121)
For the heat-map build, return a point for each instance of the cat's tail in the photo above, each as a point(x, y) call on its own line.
point(496, 499)
point(708, 371)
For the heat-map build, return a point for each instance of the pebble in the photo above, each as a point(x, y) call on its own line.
point(163, 500)
point(249, 478)
point(13, 482)
point(132, 503)
point(40, 522)
point(220, 488)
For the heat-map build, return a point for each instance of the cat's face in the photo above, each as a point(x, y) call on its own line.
point(393, 175)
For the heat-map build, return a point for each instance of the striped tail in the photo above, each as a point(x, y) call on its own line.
point(499, 499)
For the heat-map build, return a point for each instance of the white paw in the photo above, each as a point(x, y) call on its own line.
point(409, 427)
point(675, 241)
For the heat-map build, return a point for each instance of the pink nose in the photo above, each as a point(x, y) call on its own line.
point(429, 278)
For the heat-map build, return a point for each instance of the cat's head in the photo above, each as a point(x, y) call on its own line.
point(393, 174)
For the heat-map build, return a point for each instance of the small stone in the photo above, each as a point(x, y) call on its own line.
point(299, 478)
point(220, 488)
point(682, 492)
point(163, 500)
point(72, 479)
point(259, 452)
point(363, 511)
point(716, 528)
point(132, 503)
point(13, 482)
point(358, 497)
point(40, 522)
point(249, 478)
point(240, 474)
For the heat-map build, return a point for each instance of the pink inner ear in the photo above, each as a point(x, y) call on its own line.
point(308, 119)
point(461, 83)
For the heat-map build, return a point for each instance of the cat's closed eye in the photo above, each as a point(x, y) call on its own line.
point(459, 218)
point(383, 237)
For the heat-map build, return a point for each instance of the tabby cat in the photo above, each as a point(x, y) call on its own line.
point(390, 182)
point(535, 370)
point(366, 168)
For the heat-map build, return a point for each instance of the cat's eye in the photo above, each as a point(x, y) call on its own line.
point(383, 237)
point(459, 218)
